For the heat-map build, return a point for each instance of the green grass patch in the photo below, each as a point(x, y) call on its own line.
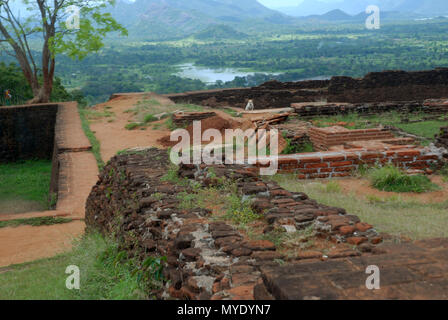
point(239, 210)
point(26, 180)
point(391, 215)
point(149, 118)
point(232, 113)
point(35, 222)
point(106, 273)
point(392, 179)
point(96, 147)
point(132, 126)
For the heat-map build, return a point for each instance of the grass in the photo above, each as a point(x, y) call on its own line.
point(132, 126)
point(392, 179)
point(391, 215)
point(239, 210)
point(145, 112)
point(96, 147)
point(232, 113)
point(26, 180)
point(35, 222)
point(105, 274)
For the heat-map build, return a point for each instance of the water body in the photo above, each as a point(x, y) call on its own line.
point(210, 75)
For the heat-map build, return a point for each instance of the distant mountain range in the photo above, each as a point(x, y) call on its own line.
point(353, 7)
point(164, 19)
point(178, 17)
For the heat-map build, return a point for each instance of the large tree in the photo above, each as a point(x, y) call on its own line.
point(50, 25)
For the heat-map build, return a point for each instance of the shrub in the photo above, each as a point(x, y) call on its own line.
point(149, 118)
point(392, 179)
point(239, 210)
point(132, 126)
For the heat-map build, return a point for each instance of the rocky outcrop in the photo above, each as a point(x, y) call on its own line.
point(374, 87)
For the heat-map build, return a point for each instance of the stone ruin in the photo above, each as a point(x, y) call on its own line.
point(210, 258)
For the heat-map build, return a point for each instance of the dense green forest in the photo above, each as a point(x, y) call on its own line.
point(131, 66)
point(13, 80)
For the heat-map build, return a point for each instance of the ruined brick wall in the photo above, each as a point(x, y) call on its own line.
point(374, 87)
point(208, 258)
point(27, 132)
point(323, 165)
point(324, 138)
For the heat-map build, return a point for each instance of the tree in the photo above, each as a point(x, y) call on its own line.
point(46, 23)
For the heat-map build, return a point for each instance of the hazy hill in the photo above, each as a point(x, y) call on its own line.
point(424, 7)
point(219, 32)
point(171, 18)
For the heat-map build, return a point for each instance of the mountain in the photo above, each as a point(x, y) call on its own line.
point(219, 32)
point(317, 7)
point(174, 18)
point(333, 15)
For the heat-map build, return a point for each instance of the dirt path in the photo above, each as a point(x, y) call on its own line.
point(27, 243)
point(113, 136)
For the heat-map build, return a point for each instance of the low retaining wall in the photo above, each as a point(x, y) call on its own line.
point(27, 132)
point(323, 165)
point(207, 257)
point(49, 131)
point(324, 138)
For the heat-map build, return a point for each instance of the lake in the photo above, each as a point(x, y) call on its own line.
point(209, 75)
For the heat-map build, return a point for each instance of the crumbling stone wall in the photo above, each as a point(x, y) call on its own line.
point(209, 258)
point(27, 132)
point(374, 87)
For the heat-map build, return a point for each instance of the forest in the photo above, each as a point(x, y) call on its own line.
point(133, 66)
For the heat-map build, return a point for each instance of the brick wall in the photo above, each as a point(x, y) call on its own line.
point(321, 165)
point(27, 132)
point(324, 138)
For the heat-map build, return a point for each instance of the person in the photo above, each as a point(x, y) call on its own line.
point(250, 106)
point(8, 97)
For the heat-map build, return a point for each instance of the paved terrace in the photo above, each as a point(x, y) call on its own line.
point(78, 172)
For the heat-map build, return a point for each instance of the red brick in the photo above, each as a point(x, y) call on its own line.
point(311, 160)
point(341, 164)
point(333, 158)
point(344, 169)
point(408, 153)
point(367, 156)
point(345, 230)
point(429, 157)
point(363, 227)
point(317, 165)
point(307, 171)
point(356, 240)
point(319, 176)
